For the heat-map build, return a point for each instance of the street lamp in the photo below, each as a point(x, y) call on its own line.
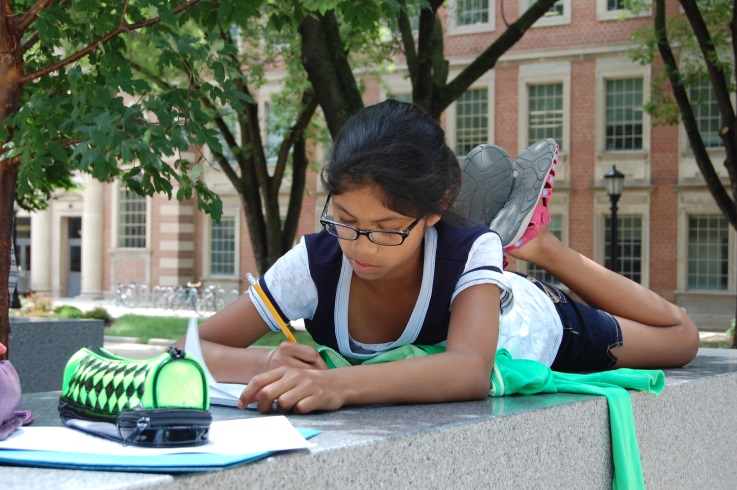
point(614, 182)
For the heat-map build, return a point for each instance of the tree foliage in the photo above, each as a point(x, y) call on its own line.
point(70, 102)
point(76, 96)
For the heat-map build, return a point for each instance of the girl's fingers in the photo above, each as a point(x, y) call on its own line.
point(287, 389)
point(297, 355)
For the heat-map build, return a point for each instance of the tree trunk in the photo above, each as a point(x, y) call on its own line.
point(326, 62)
point(430, 89)
point(11, 70)
point(734, 330)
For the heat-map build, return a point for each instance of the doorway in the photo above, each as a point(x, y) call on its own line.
point(74, 257)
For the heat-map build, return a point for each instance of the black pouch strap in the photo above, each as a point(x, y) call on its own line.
point(158, 427)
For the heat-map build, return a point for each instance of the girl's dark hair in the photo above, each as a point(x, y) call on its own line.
point(397, 147)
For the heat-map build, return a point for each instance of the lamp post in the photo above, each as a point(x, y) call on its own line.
point(614, 182)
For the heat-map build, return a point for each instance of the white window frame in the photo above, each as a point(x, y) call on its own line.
point(453, 27)
point(604, 14)
point(633, 201)
point(264, 100)
point(115, 221)
point(207, 247)
point(701, 203)
point(484, 82)
point(543, 74)
point(548, 21)
point(635, 164)
point(395, 83)
point(688, 168)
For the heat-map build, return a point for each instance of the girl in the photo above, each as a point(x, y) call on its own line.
point(394, 266)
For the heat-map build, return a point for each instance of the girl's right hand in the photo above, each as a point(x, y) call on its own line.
point(290, 354)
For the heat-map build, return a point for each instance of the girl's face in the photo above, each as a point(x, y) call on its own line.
point(362, 209)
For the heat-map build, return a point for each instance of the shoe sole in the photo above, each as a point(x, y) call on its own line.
point(531, 170)
point(486, 183)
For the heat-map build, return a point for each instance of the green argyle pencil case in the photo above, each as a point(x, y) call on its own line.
point(158, 402)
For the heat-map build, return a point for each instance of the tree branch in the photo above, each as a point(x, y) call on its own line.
point(486, 60)
point(309, 104)
point(723, 201)
point(708, 50)
point(421, 85)
point(408, 40)
point(103, 40)
point(24, 21)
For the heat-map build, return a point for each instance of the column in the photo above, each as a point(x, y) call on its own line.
point(41, 252)
point(92, 229)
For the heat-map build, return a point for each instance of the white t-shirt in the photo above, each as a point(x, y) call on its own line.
point(529, 326)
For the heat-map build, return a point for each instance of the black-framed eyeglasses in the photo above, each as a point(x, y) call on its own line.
point(389, 238)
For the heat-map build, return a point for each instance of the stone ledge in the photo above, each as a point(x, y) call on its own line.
point(40, 348)
point(686, 437)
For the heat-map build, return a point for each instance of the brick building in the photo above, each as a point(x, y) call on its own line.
point(570, 77)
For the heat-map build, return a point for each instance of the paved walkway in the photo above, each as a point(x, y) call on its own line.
point(128, 346)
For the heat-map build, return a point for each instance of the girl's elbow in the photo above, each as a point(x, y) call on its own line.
point(481, 389)
point(480, 383)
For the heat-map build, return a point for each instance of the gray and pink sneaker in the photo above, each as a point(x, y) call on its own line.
point(521, 216)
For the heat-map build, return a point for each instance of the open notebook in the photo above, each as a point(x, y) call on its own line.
point(225, 394)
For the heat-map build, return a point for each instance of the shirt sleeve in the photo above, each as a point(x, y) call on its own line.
point(289, 287)
point(485, 265)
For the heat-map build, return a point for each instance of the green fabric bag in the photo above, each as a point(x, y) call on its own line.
point(158, 402)
point(527, 377)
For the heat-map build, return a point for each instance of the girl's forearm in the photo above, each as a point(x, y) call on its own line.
point(445, 377)
point(231, 364)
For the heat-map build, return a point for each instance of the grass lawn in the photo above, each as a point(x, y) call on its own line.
point(156, 327)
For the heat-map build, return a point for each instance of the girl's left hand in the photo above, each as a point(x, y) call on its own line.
point(294, 390)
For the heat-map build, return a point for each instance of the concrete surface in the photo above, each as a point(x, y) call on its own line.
point(40, 348)
point(687, 438)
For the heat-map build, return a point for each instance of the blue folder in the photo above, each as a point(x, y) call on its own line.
point(165, 463)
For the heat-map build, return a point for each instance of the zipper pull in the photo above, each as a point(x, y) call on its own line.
point(141, 425)
point(176, 352)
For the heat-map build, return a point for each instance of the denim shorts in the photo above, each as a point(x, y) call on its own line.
point(589, 334)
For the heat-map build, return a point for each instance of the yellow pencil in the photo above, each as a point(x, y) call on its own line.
point(270, 306)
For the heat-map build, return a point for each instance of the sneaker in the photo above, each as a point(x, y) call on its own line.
point(486, 183)
point(534, 173)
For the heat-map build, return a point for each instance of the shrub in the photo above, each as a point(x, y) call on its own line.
point(36, 304)
point(68, 311)
point(99, 313)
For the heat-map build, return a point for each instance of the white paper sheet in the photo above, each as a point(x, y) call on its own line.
point(225, 394)
point(242, 436)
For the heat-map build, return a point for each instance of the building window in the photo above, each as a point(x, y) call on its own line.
point(230, 118)
point(556, 228)
point(706, 112)
point(708, 252)
point(556, 10)
point(472, 120)
point(615, 5)
point(629, 245)
point(471, 12)
point(222, 247)
point(624, 114)
point(545, 112)
point(401, 97)
point(132, 219)
point(273, 137)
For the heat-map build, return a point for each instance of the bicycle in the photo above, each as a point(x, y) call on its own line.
point(125, 295)
point(213, 300)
